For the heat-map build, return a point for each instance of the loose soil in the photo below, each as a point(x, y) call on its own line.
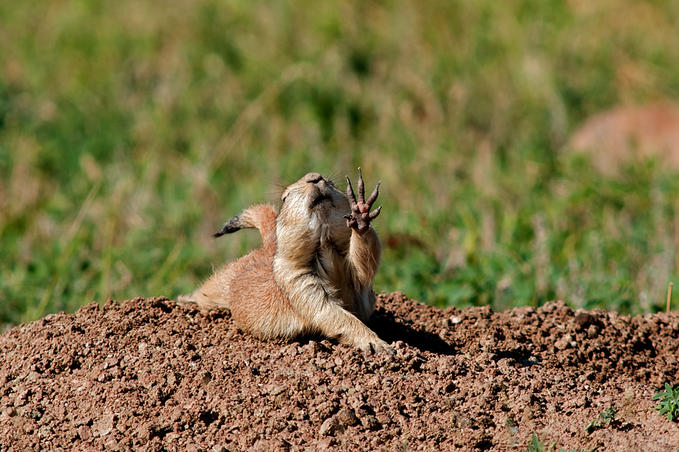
point(148, 374)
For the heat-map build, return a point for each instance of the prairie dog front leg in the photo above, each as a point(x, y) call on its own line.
point(321, 308)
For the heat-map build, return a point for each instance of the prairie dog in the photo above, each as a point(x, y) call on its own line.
point(314, 271)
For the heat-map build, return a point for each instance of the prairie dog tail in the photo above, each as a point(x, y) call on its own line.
point(260, 216)
point(216, 291)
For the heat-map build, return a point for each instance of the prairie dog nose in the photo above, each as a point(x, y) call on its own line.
point(312, 178)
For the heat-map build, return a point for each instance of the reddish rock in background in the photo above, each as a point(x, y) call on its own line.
point(627, 134)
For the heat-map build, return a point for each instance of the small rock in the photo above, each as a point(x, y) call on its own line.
point(104, 425)
point(394, 366)
point(326, 444)
point(314, 346)
point(330, 427)
point(592, 331)
point(85, 433)
point(44, 431)
point(370, 422)
point(347, 417)
point(383, 418)
point(142, 348)
point(143, 431)
point(564, 342)
point(32, 377)
point(22, 397)
point(464, 421)
point(290, 350)
point(172, 437)
point(29, 427)
point(415, 363)
point(276, 389)
point(85, 420)
point(583, 319)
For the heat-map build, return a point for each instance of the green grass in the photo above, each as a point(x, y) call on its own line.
point(129, 131)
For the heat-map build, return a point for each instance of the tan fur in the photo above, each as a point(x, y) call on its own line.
point(627, 134)
point(313, 273)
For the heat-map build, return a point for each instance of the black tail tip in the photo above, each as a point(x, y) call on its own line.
point(232, 225)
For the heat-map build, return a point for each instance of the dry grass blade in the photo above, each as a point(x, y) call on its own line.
point(669, 295)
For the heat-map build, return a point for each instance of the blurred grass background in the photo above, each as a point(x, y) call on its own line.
point(131, 130)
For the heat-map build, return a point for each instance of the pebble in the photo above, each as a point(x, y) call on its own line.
point(347, 417)
point(85, 433)
point(329, 427)
point(105, 425)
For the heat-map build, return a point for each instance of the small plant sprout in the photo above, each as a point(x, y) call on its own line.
point(603, 420)
point(537, 446)
point(668, 402)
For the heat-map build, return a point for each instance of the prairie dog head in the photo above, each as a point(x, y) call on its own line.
point(314, 206)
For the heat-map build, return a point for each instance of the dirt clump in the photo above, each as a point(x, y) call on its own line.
point(149, 374)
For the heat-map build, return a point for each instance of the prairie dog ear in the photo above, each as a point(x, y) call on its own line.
point(284, 195)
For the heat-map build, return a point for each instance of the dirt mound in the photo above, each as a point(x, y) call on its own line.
point(152, 375)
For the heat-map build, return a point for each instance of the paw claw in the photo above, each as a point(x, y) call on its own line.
point(374, 194)
point(361, 187)
point(350, 192)
point(361, 216)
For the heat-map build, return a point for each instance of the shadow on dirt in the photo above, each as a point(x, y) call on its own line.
point(387, 327)
point(391, 329)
